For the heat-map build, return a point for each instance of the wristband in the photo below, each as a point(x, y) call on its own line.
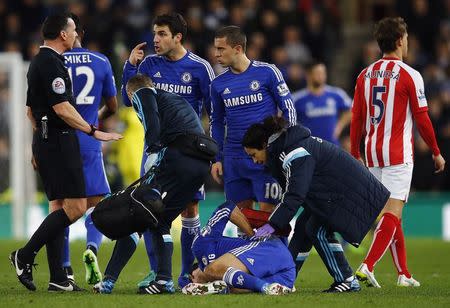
point(93, 129)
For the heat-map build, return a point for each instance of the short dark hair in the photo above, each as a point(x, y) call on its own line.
point(78, 26)
point(54, 24)
point(138, 81)
point(387, 31)
point(257, 135)
point(174, 21)
point(233, 35)
point(312, 64)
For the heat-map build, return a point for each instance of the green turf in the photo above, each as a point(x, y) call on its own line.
point(429, 261)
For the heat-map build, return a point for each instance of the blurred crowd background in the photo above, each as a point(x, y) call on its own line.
point(288, 33)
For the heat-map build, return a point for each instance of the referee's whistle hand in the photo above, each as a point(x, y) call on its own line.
point(103, 136)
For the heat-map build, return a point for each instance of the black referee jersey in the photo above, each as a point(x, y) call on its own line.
point(55, 144)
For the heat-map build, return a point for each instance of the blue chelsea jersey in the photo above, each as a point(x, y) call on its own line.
point(320, 113)
point(92, 79)
point(189, 77)
point(240, 100)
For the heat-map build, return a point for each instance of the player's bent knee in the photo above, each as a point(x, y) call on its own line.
point(191, 210)
point(395, 207)
point(266, 207)
point(215, 270)
point(246, 204)
point(75, 208)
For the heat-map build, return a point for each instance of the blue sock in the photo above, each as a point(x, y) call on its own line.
point(153, 261)
point(241, 280)
point(163, 244)
point(190, 228)
point(66, 249)
point(123, 250)
point(93, 237)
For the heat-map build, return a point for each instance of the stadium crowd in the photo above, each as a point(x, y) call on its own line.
point(288, 33)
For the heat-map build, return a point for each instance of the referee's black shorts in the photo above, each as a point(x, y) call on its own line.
point(59, 163)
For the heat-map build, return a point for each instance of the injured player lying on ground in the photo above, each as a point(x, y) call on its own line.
point(243, 264)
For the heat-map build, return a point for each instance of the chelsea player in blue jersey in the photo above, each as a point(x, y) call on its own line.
point(324, 109)
point(241, 263)
point(245, 93)
point(177, 70)
point(92, 80)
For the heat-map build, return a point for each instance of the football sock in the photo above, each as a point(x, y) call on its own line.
point(163, 246)
point(382, 239)
point(123, 250)
point(54, 252)
point(93, 236)
point(398, 251)
point(66, 248)
point(190, 228)
point(53, 225)
point(152, 259)
point(241, 280)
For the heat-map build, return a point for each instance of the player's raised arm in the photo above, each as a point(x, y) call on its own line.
point(131, 68)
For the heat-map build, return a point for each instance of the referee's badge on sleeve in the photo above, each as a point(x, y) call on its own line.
point(58, 85)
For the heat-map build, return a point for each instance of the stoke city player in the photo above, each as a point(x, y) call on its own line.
point(389, 98)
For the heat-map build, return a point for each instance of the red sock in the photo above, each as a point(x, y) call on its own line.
point(382, 239)
point(398, 251)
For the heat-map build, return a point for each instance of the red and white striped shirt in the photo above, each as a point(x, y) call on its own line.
point(389, 94)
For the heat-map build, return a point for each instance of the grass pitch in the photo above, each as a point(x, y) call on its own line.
point(429, 261)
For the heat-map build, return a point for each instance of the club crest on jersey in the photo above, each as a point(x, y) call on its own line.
point(283, 89)
point(186, 77)
point(254, 85)
point(58, 85)
point(240, 280)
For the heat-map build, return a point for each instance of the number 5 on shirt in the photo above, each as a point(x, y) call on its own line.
point(377, 104)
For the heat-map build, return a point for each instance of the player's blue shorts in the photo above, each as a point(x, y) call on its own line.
point(94, 173)
point(269, 260)
point(245, 180)
point(199, 195)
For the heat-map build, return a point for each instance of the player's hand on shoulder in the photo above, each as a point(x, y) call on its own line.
point(103, 136)
point(137, 54)
point(439, 163)
point(217, 172)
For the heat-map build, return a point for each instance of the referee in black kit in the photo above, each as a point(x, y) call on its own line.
point(56, 153)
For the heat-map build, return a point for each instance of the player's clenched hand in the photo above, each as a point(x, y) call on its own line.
point(137, 54)
point(217, 172)
point(439, 163)
point(102, 136)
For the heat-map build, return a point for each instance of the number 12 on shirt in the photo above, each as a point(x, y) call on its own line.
point(83, 97)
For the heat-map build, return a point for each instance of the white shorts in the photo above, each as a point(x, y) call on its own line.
point(397, 179)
